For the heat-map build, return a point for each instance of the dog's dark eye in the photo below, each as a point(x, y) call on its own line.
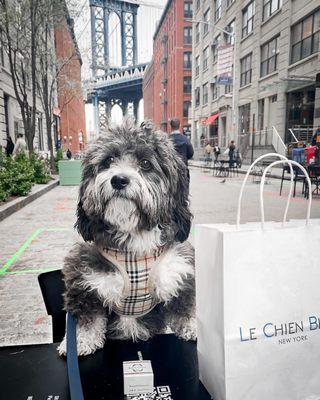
point(145, 165)
point(110, 160)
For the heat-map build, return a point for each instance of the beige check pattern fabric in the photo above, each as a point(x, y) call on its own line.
point(138, 299)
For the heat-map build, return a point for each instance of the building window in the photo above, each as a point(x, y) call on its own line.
point(214, 89)
point(215, 46)
point(187, 9)
point(187, 35)
point(197, 96)
point(260, 114)
point(198, 4)
point(246, 70)
point(206, 20)
point(247, 19)
point(205, 94)
point(187, 60)
point(244, 119)
point(274, 98)
point(217, 10)
point(197, 65)
point(269, 57)
point(187, 84)
point(197, 32)
point(205, 58)
point(186, 108)
point(1, 48)
point(228, 89)
point(230, 29)
point(270, 7)
point(229, 2)
point(305, 37)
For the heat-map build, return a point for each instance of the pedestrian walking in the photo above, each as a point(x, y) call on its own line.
point(181, 142)
point(69, 154)
point(20, 146)
point(232, 154)
point(10, 146)
point(207, 153)
point(216, 152)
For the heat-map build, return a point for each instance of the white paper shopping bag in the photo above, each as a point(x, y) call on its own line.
point(258, 310)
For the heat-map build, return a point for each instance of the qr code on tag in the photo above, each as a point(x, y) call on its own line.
point(159, 393)
point(163, 392)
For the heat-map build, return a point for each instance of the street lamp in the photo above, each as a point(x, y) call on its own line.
point(232, 35)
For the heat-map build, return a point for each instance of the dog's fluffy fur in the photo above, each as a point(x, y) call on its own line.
point(152, 211)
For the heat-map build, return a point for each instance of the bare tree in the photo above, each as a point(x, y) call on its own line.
point(19, 40)
point(52, 73)
point(28, 28)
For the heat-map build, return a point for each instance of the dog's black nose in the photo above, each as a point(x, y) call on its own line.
point(119, 182)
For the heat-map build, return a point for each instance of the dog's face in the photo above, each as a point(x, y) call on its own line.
point(133, 181)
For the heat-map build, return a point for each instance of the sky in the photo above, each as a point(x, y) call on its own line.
point(146, 21)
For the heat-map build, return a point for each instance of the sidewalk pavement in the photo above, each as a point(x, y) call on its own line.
point(34, 239)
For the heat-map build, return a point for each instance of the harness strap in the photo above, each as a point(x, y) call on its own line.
point(124, 273)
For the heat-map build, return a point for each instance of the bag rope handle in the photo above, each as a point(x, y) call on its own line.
point(246, 178)
point(290, 162)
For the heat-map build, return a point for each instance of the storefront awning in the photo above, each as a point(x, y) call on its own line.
point(211, 119)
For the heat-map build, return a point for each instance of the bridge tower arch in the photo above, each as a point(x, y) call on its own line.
point(104, 96)
point(100, 33)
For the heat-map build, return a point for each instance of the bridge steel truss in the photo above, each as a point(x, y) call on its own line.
point(105, 92)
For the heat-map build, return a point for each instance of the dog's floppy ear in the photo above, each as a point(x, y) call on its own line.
point(181, 213)
point(83, 223)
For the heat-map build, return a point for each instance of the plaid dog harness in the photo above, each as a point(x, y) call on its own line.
point(138, 297)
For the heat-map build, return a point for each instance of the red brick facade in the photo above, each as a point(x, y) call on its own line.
point(164, 91)
point(70, 97)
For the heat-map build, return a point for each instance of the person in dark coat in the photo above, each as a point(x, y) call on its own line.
point(69, 154)
point(180, 141)
point(232, 154)
point(10, 146)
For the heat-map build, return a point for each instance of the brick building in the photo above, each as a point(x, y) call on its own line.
point(277, 58)
point(167, 82)
point(70, 97)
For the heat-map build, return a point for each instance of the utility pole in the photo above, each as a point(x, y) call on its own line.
point(253, 137)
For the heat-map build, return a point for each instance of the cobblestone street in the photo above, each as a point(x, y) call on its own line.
point(37, 238)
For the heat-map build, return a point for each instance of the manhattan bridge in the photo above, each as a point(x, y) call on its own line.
point(116, 74)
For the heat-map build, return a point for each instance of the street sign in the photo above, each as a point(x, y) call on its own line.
point(224, 80)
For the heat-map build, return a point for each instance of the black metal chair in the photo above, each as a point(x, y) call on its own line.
point(52, 288)
point(314, 174)
point(298, 177)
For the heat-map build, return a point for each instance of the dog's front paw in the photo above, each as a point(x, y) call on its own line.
point(85, 346)
point(62, 348)
point(186, 331)
point(90, 336)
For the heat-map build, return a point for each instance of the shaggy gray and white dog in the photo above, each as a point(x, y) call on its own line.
point(133, 205)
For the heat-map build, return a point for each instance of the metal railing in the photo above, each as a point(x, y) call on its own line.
point(262, 138)
point(302, 133)
point(278, 143)
point(293, 137)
